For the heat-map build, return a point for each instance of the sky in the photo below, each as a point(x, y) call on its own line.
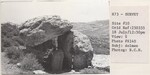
point(72, 10)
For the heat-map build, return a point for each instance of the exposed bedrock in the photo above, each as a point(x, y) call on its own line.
point(56, 45)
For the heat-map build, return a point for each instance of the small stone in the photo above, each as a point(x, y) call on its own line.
point(39, 72)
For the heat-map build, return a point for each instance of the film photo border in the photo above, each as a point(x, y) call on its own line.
point(16, 1)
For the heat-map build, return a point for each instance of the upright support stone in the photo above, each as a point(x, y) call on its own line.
point(57, 61)
point(65, 42)
point(83, 51)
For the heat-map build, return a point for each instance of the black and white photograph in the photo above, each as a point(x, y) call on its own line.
point(66, 37)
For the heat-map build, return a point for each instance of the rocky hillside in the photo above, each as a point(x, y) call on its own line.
point(98, 32)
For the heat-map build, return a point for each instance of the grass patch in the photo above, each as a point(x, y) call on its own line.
point(30, 63)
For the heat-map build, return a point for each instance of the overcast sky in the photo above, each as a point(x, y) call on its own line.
point(72, 10)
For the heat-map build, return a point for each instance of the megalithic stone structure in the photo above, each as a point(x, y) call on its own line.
point(51, 33)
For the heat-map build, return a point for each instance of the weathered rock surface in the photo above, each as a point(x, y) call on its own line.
point(81, 42)
point(39, 30)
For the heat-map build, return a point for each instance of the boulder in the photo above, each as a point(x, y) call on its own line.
point(83, 51)
point(41, 29)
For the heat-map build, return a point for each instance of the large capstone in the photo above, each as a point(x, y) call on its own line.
point(57, 47)
point(41, 29)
